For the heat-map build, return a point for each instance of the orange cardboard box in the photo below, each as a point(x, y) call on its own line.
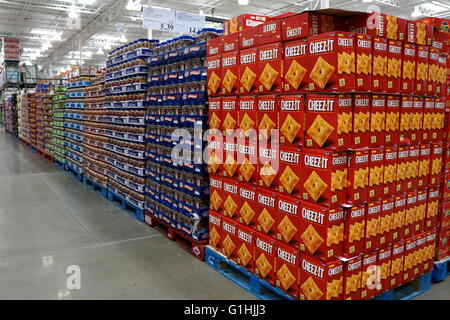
point(287, 269)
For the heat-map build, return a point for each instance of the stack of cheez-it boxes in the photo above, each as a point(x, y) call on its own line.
point(327, 151)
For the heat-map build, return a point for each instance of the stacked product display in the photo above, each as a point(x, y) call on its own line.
point(125, 89)
point(11, 116)
point(178, 183)
point(23, 105)
point(58, 130)
point(32, 103)
point(44, 117)
point(346, 189)
point(94, 144)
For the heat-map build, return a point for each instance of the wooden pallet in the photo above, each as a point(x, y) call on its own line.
point(243, 278)
point(197, 249)
point(441, 270)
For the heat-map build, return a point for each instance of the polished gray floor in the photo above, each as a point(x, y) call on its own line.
point(50, 222)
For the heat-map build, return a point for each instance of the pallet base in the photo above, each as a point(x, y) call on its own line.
point(243, 278)
point(197, 249)
point(76, 174)
point(60, 165)
point(441, 270)
point(134, 211)
point(409, 290)
point(96, 187)
point(45, 155)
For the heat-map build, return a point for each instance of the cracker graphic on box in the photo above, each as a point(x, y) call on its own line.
point(285, 276)
point(265, 220)
point(361, 122)
point(361, 178)
point(268, 77)
point(215, 200)
point(295, 74)
point(230, 206)
point(339, 180)
point(315, 186)
point(334, 288)
point(320, 130)
point(290, 128)
point(214, 122)
point(263, 265)
point(311, 290)
point(248, 78)
point(287, 229)
point(230, 165)
point(321, 72)
point(265, 126)
point(246, 170)
point(289, 179)
point(229, 123)
point(246, 123)
point(267, 174)
point(363, 63)
point(344, 122)
point(229, 80)
point(311, 239)
point(214, 237)
point(244, 255)
point(228, 245)
point(213, 161)
point(247, 213)
point(214, 82)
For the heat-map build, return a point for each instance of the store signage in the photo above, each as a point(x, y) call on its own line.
point(172, 21)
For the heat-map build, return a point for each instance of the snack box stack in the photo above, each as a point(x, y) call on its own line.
point(178, 185)
point(32, 101)
point(22, 117)
point(74, 122)
point(125, 90)
point(46, 122)
point(353, 186)
point(11, 121)
point(40, 124)
point(58, 129)
point(94, 144)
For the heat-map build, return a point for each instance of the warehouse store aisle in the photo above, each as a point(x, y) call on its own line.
point(49, 221)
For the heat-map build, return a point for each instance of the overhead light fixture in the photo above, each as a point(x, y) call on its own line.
point(133, 5)
point(201, 12)
point(87, 2)
point(366, 1)
point(107, 46)
point(243, 2)
point(88, 54)
point(100, 51)
point(73, 62)
point(123, 38)
point(416, 13)
point(73, 13)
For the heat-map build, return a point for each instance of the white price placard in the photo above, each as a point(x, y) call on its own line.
point(188, 22)
point(158, 19)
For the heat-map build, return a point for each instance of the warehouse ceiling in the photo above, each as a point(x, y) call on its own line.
point(52, 32)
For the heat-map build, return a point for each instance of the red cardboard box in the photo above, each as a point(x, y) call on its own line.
point(406, 116)
point(308, 24)
point(443, 245)
point(376, 173)
point(410, 213)
point(287, 269)
point(441, 74)
point(266, 212)
point(410, 248)
point(390, 171)
point(215, 230)
point(358, 176)
point(432, 209)
point(230, 115)
point(417, 120)
point(412, 168)
point(248, 71)
point(419, 32)
point(248, 117)
point(394, 67)
point(428, 251)
point(289, 179)
point(372, 232)
point(418, 254)
point(230, 43)
point(369, 275)
point(377, 120)
point(229, 238)
point(321, 231)
point(296, 61)
point(247, 204)
point(361, 121)
point(421, 212)
point(248, 38)
point(378, 24)
point(352, 278)
point(269, 156)
point(444, 218)
point(402, 165)
point(320, 280)
point(428, 113)
point(216, 193)
point(246, 248)
point(433, 66)
point(398, 222)
point(386, 221)
point(244, 21)
point(292, 119)
point(438, 120)
point(409, 68)
point(230, 73)
point(268, 107)
point(384, 269)
point(355, 222)
point(363, 62)
point(323, 177)
point(231, 198)
point(332, 62)
point(230, 156)
point(328, 121)
point(215, 153)
point(288, 220)
point(215, 113)
point(265, 251)
point(436, 165)
point(380, 65)
point(214, 74)
point(423, 54)
point(268, 32)
point(270, 68)
point(214, 46)
point(398, 260)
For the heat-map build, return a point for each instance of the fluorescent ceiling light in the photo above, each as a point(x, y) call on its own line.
point(433, 7)
point(73, 62)
point(73, 12)
point(100, 51)
point(416, 13)
point(243, 2)
point(441, 4)
point(123, 38)
point(133, 5)
point(107, 46)
point(87, 2)
point(46, 32)
point(366, 1)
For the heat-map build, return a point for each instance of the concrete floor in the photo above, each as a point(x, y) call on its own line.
point(49, 222)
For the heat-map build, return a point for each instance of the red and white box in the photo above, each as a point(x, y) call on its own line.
point(361, 121)
point(386, 220)
point(247, 116)
point(215, 153)
point(410, 211)
point(289, 173)
point(246, 248)
point(287, 269)
point(428, 114)
point(372, 231)
point(402, 164)
point(390, 171)
point(428, 251)
point(412, 168)
point(435, 175)
point(398, 257)
point(354, 233)
point(246, 205)
point(394, 67)
point(384, 270)
point(378, 24)
point(230, 73)
point(214, 46)
point(432, 209)
point(409, 68)
point(247, 158)
point(437, 123)
point(230, 43)
point(215, 113)
point(398, 221)
point(321, 231)
point(229, 239)
point(323, 177)
point(417, 120)
point(230, 114)
point(363, 62)
point(377, 120)
point(433, 67)
point(369, 275)
point(328, 121)
point(358, 176)
point(406, 115)
point(214, 74)
point(332, 62)
point(248, 71)
point(243, 21)
point(408, 266)
point(423, 54)
point(292, 119)
point(288, 220)
point(320, 280)
point(380, 65)
point(230, 157)
point(267, 115)
point(248, 39)
point(231, 198)
point(441, 74)
point(376, 173)
point(352, 278)
point(296, 62)
point(421, 240)
point(215, 230)
point(216, 193)
point(268, 32)
point(269, 165)
point(270, 68)
point(266, 212)
point(443, 244)
point(421, 212)
point(265, 256)
point(392, 120)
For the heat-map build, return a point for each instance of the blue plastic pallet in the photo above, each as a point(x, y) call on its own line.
point(441, 270)
point(60, 165)
point(409, 290)
point(133, 210)
point(96, 187)
point(243, 278)
point(75, 173)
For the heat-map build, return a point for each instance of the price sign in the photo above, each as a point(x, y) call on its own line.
point(188, 22)
point(172, 21)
